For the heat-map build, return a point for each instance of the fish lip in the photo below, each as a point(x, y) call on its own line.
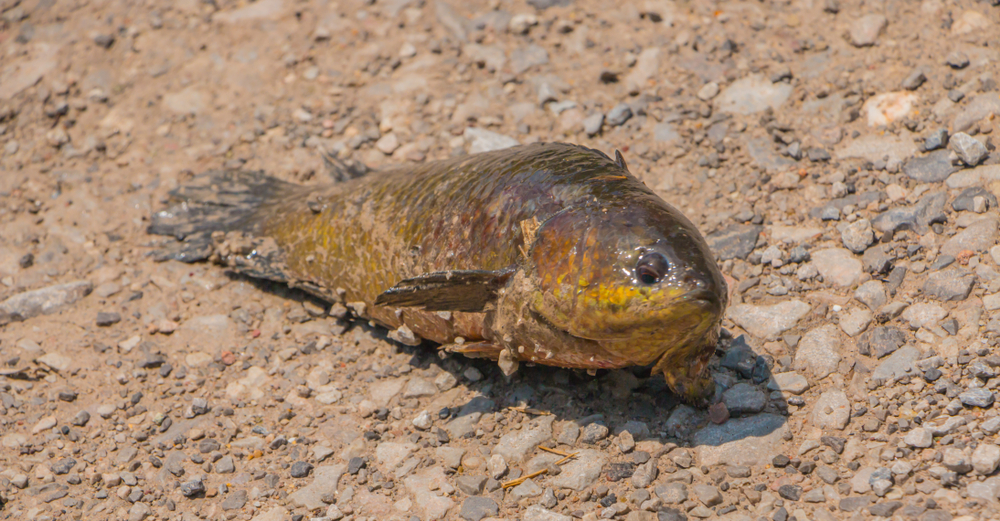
point(706, 296)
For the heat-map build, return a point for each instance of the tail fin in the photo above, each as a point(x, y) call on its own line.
point(214, 201)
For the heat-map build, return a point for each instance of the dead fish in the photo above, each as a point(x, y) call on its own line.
point(547, 253)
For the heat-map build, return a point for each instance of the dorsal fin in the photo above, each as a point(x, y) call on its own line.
point(620, 160)
point(339, 170)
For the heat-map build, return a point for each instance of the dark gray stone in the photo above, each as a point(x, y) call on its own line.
point(740, 357)
point(63, 466)
point(827, 474)
point(790, 492)
point(855, 503)
point(829, 213)
point(618, 115)
point(225, 465)
point(743, 399)
point(208, 445)
point(105, 319)
point(475, 508)
point(880, 474)
point(950, 284)
point(782, 73)
point(816, 154)
point(932, 168)
point(471, 485)
point(885, 509)
point(235, 500)
point(936, 140)
point(965, 201)
point(892, 283)
point(670, 514)
point(594, 433)
point(105, 40)
point(354, 465)
point(878, 259)
point(300, 469)
point(978, 397)
point(735, 241)
point(199, 406)
point(919, 217)
point(59, 493)
point(942, 262)
point(834, 442)
point(862, 200)
point(975, 110)
point(881, 341)
point(192, 488)
point(81, 419)
point(545, 4)
point(980, 370)
point(957, 60)
point(794, 150)
point(798, 254)
point(914, 80)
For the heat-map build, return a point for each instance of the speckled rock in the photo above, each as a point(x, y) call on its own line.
point(832, 410)
point(837, 266)
point(768, 321)
point(819, 351)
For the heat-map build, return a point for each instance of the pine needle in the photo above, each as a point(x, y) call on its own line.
point(554, 451)
point(522, 479)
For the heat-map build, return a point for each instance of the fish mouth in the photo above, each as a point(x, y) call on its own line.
point(686, 368)
point(702, 294)
point(706, 299)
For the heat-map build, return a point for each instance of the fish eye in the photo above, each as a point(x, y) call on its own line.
point(651, 268)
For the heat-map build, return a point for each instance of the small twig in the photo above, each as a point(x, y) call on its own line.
point(522, 479)
point(554, 451)
point(567, 458)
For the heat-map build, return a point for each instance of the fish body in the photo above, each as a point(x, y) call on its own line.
point(547, 253)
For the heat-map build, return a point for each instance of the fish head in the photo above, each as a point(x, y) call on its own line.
point(637, 278)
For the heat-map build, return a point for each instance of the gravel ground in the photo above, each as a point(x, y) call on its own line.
point(839, 155)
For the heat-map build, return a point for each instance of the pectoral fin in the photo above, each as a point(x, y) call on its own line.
point(459, 290)
point(475, 350)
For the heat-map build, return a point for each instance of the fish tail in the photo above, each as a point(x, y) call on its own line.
point(216, 201)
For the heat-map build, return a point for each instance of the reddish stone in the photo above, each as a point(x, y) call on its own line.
point(718, 413)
